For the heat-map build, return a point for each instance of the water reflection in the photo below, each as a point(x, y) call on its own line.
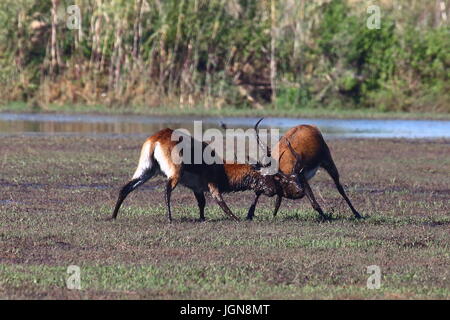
point(50, 124)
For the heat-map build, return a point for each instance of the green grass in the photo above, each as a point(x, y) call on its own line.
point(229, 111)
point(52, 215)
point(215, 281)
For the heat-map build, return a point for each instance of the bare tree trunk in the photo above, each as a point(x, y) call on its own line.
point(96, 30)
point(208, 77)
point(20, 41)
point(212, 56)
point(298, 34)
point(273, 63)
point(79, 36)
point(20, 60)
point(80, 29)
point(196, 58)
point(112, 63)
point(137, 29)
point(115, 66)
point(184, 77)
point(54, 41)
point(119, 57)
point(441, 7)
point(297, 41)
point(105, 47)
point(172, 66)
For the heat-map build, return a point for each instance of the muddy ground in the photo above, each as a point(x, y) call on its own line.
point(56, 191)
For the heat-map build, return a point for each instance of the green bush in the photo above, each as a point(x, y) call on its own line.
point(290, 98)
point(220, 52)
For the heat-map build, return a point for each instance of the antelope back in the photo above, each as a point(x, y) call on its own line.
point(189, 158)
point(307, 141)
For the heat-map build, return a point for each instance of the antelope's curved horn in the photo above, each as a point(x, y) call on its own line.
point(260, 143)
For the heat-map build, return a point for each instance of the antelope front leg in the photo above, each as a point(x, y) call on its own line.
point(277, 205)
point(251, 211)
point(311, 197)
point(218, 197)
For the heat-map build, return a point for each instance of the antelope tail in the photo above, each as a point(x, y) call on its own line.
point(146, 160)
point(145, 170)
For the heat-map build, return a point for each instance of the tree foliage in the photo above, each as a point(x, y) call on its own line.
point(219, 52)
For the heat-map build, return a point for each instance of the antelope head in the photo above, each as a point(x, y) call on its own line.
point(281, 184)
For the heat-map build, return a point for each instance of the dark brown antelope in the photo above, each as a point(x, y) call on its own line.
point(157, 158)
point(307, 152)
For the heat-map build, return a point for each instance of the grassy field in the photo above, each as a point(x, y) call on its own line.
point(228, 111)
point(56, 192)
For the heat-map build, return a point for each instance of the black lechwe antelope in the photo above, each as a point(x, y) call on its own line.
point(156, 157)
point(307, 151)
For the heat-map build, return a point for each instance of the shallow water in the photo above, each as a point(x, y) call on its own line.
point(118, 125)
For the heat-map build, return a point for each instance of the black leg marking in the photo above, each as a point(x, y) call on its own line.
point(251, 211)
point(334, 174)
point(169, 189)
point(342, 192)
point(277, 205)
point(200, 196)
point(311, 197)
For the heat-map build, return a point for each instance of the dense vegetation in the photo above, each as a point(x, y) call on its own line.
point(255, 53)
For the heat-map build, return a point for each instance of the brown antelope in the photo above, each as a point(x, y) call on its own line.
point(307, 152)
point(156, 157)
